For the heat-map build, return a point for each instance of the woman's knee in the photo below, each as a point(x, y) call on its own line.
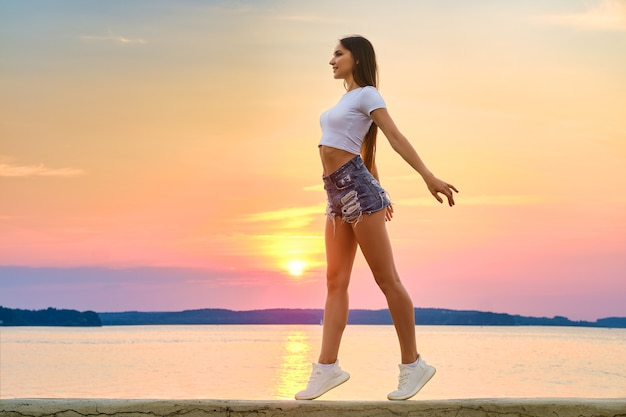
point(337, 282)
point(389, 281)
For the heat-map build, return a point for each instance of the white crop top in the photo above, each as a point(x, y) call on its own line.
point(344, 126)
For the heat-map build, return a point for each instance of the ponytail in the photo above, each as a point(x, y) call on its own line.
point(368, 148)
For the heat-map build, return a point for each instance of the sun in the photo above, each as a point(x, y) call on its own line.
point(296, 268)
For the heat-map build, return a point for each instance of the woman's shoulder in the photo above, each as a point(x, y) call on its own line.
point(370, 99)
point(370, 90)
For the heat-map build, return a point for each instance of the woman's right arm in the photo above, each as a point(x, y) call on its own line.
point(402, 146)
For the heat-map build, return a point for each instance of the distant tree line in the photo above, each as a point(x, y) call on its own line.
point(48, 317)
point(423, 316)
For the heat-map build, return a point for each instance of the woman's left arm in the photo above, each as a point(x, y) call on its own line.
point(402, 146)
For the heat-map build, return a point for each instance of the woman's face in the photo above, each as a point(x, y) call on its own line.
point(342, 63)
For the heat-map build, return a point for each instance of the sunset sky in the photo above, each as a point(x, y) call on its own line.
point(162, 155)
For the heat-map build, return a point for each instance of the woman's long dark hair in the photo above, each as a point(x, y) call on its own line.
point(365, 73)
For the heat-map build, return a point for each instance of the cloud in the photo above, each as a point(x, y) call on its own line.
point(603, 15)
point(123, 289)
point(479, 200)
point(12, 170)
point(317, 188)
point(306, 18)
point(268, 216)
point(289, 218)
point(112, 38)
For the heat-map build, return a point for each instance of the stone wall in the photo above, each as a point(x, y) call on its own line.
point(223, 408)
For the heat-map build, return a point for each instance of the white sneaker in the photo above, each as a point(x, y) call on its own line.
point(411, 380)
point(323, 380)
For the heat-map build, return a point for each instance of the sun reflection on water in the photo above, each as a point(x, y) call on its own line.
point(294, 368)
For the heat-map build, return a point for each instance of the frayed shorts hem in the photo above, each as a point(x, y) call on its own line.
point(352, 191)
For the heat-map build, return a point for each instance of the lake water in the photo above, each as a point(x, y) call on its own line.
point(273, 362)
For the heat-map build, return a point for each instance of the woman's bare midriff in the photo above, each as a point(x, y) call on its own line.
point(333, 158)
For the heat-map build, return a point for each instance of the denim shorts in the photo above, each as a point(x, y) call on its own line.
point(352, 191)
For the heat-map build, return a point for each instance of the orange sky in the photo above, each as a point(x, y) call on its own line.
point(164, 153)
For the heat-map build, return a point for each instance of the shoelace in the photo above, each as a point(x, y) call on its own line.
point(403, 378)
point(315, 375)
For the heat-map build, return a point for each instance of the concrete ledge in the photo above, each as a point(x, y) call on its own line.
point(222, 408)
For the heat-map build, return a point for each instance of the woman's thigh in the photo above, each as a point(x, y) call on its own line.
point(340, 250)
point(373, 239)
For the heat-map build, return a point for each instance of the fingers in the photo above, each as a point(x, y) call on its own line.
point(447, 192)
point(450, 199)
point(388, 213)
point(439, 187)
point(450, 195)
point(436, 195)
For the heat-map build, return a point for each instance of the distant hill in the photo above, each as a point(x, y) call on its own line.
point(48, 317)
point(423, 316)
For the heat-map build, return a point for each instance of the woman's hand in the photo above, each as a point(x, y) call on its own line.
point(437, 186)
point(388, 213)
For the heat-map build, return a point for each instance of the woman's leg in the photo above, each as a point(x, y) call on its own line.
point(340, 252)
point(371, 235)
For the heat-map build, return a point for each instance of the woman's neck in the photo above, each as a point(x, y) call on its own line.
point(350, 84)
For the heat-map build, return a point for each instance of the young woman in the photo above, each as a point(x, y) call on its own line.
point(356, 213)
